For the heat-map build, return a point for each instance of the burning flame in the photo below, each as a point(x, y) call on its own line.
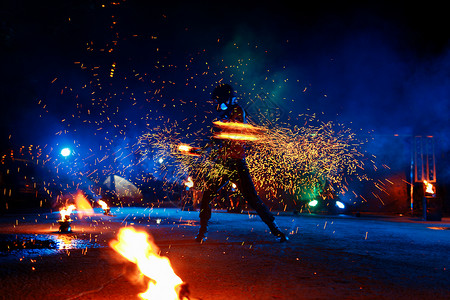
point(429, 187)
point(236, 125)
point(65, 212)
point(236, 136)
point(83, 205)
point(184, 148)
point(237, 131)
point(103, 204)
point(137, 248)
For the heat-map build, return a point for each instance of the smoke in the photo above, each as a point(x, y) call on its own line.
point(374, 83)
point(428, 89)
point(363, 69)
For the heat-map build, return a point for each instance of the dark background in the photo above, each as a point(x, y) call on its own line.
point(381, 68)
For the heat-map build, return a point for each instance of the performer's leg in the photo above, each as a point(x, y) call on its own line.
point(249, 192)
point(205, 214)
point(205, 208)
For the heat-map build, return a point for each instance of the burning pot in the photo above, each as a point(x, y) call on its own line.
point(64, 223)
point(106, 208)
point(431, 205)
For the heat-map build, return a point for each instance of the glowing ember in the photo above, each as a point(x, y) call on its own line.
point(137, 248)
point(189, 183)
point(429, 188)
point(65, 213)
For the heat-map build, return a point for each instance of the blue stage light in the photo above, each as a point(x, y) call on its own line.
point(340, 204)
point(66, 152)
point(313, 203)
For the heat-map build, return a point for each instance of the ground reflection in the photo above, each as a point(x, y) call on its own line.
point(32, 245)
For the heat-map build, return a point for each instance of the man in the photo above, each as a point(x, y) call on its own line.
point(231, 154)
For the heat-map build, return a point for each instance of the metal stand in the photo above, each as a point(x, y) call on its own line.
point(432, 208)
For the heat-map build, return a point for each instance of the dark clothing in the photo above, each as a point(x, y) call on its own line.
point(229, 148)
point(232, 155)
point(241, 176)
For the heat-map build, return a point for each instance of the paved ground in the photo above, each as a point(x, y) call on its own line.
point(327, 257)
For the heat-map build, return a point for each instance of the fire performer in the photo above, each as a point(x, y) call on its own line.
point(231, 154)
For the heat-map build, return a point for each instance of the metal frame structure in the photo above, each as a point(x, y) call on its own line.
point(423, 163)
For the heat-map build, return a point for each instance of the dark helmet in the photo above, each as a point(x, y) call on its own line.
point(222, 93)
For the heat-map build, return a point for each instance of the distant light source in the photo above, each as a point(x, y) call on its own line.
point(340, 204)
point(65, 152)
point(313, 203)
point(160, 160)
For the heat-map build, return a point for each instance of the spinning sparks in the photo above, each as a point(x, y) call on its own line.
point(136, 247)
point(237, 126)
point(237, 131)
point(303, 163)
point(235, 136)
point(307, 160)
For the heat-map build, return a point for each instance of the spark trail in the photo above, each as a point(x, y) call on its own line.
point(304, 162)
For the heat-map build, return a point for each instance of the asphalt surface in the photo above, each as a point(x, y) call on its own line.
point(327, 257)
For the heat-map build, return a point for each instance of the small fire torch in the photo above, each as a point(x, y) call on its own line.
point(106, 208)
point(64, 223)
point(431, 205)
point(137, 247)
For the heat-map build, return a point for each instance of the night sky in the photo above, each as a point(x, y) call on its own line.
point(74, 68)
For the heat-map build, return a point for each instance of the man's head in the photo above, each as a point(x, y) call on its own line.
point(224, 95)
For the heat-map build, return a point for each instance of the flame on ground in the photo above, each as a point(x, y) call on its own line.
point(137, 248)
point(184, 148)
point(83, 205)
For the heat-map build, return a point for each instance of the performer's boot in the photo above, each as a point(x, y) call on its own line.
point(202, 234)
point(276, 231)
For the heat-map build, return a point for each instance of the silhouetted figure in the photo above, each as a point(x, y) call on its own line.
point(231, 154)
